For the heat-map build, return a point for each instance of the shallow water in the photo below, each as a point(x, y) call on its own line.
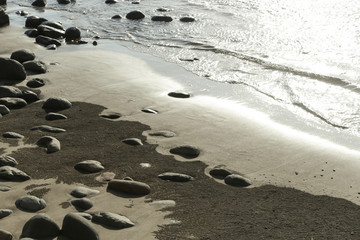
point(299, 56)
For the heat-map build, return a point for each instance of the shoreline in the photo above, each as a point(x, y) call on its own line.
point(223, 137)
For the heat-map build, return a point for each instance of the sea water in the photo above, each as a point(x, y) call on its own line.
point(298, 57)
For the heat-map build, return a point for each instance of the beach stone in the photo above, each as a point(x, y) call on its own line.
point(105, 177)
point(40, 226)
point(132, 187)
point(116, 17)
point(46, 41)
point(64, 1)
point(175, 177)
point(82, 204)
point(132, 141)
point(29, 96)
point(4, 110)
point(219, 172)
point(2, 2)
point(128, 179)
point(5, 213)
point(56, 103)
point(89, 166)
point(55, 116)
point(8, 161)
point(237, 180)
point(52, 24)
point(30, 203)
point(188, 152)
point(22, 13)
point(39, 3)
point(4, 18)
point(164, 133)
point(179, 95)
point(46, 128)
point(5, 235)
point(51, 47)
point(187, 19)
point(10, 91)
point(50, 143)
point(22, 55)
point(76, 227)
point(135, 15)
point(80, 192)
point(149, 110)
point(12, 135)
point(161, 19)
point(13, 174)
point(11, 70)
point(72, 33)
point(50, 32)
point(94, 43)
point(13, 103)
point(110, 1)
point(4, 188)
point(33, 33)
point(34, 21)
point(112, 220)
point(35, 66)
point(110, 115)
point(85, 215)
point(163, 10)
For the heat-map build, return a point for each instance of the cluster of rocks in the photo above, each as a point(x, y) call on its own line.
point(138, 15)
point(229, 177)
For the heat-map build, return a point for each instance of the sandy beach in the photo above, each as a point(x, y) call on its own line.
point(303, 187)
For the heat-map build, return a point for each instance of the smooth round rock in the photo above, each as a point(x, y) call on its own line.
point(5, 235)
point(29, 96)
point(188, 152)
point(89, 166)
point(10, 91)
point(35, 66)
point(82, 204)
point(5, 213)
point(219, 172)
point(237, 180)
point(40, 226)
point(55, 116)
point(116, 17)
point(161, 19)
point(112, 220)
point(13, 174)
point(11, 70)
point(22, 55)
point(4, 110)
point(187, 19)
point(179, 95)
point(56, 104)
point(30, 203)
point(12, 135)
point(39, 3)
point(132, 187)
point(51, 144)
point(164, 133)
point(80, 192)
point(13, 103)
point(133, 141)
point(34, 21)
point(76, 227)
point(46, 128)
point(175, 177)
point(8, 161)
point(135, 15)
point(35, 83)
point(72, 33)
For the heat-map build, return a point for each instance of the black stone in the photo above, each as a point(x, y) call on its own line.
point(39, 3)
point(22, 55)
point(46, 41)
point(33, 33)
point(4, 18)
point(11, 70)
point(135, 15)
point(161, 19)
point(33, 21)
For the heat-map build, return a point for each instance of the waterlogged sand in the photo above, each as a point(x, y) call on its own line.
point(226, 133)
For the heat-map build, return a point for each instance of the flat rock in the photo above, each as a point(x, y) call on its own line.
point(56, 104)
point(135, 15)
point(237, 180)
point(132, 187)
point(12, 135)
point(10, 91)
point(105, 177)
point(89, 166)
point(163, 10)
point(82, 204)
point(110, 1)
point(40, 226)
point(219, 172)
point(55, 116)
point(13, 174)
point(175, 177)
point(164, 133)
point(80, 192)
point(30, 203)
point(5, 235)
point(110, 115)
point(4, 188)
point(22, 55)
point(35, 83)
point(4, 110)
point(132, 141)
point(8, 161)
point(13, 103)
point(29, 96)
point(179, 95)
point(56, 25)
point(112, 220)
point(161, 19)
point(35, 66)
point(149, 110)
point(34, 21)
point(11, 70)
point(5, 213)
point(63, 1)
point(46, 128)
point(50, 143)
point(187, 19)
point(76, 227)
point(39, 3)
point(188, 152)
point(50, 32)
point(46, 41)
point(4, 18)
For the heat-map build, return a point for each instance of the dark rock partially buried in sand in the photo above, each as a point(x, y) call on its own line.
point(186, 151)
point(110, 1)
point(12, 135)
point(76, 227)
point(4, 110)
point(50, 143)
point(13, 174)
point(22, 55)
point(133, 141)
point(110, 115)
point(55, 116)
point(40, 226)
point(81, 192)
point(237, 180)
point(132, 187)
point(46, 41)
point(164, 133)
point(179, 95)
point(161, 19)
point(56, 104)
point(175, 177)
point(51, 32)
point(13, 103)
point(72, 33)
point(5, 235)
point(135, 15)
point(9, 91)
point(112, 220)
point(220, 172)
point(46, 128)
point(5, 213)
point(30, 203)
point(8, 161)
point(34, 21)
point(187, 19)
point(11, 70)
point(4, 18)
point(89, 166)
point(82, 204)
point(117, 16)
point(64, 1)
point(39, 3)
point(29, 96)
point(35, 66)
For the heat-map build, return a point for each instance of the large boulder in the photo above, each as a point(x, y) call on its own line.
point(34, 21)
point(51, 144)
point(13, 174)
point(4, 18)
point(35, 66)
point(46, 41)
point(56, 104)
point(51, 32)
point(112, 220)
point(11, 70)
point(126, 186)
point(135, 15)
point(30, 203)
point(40, 226)
point(75, 227)
point(22, 55)
point(13, 103)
